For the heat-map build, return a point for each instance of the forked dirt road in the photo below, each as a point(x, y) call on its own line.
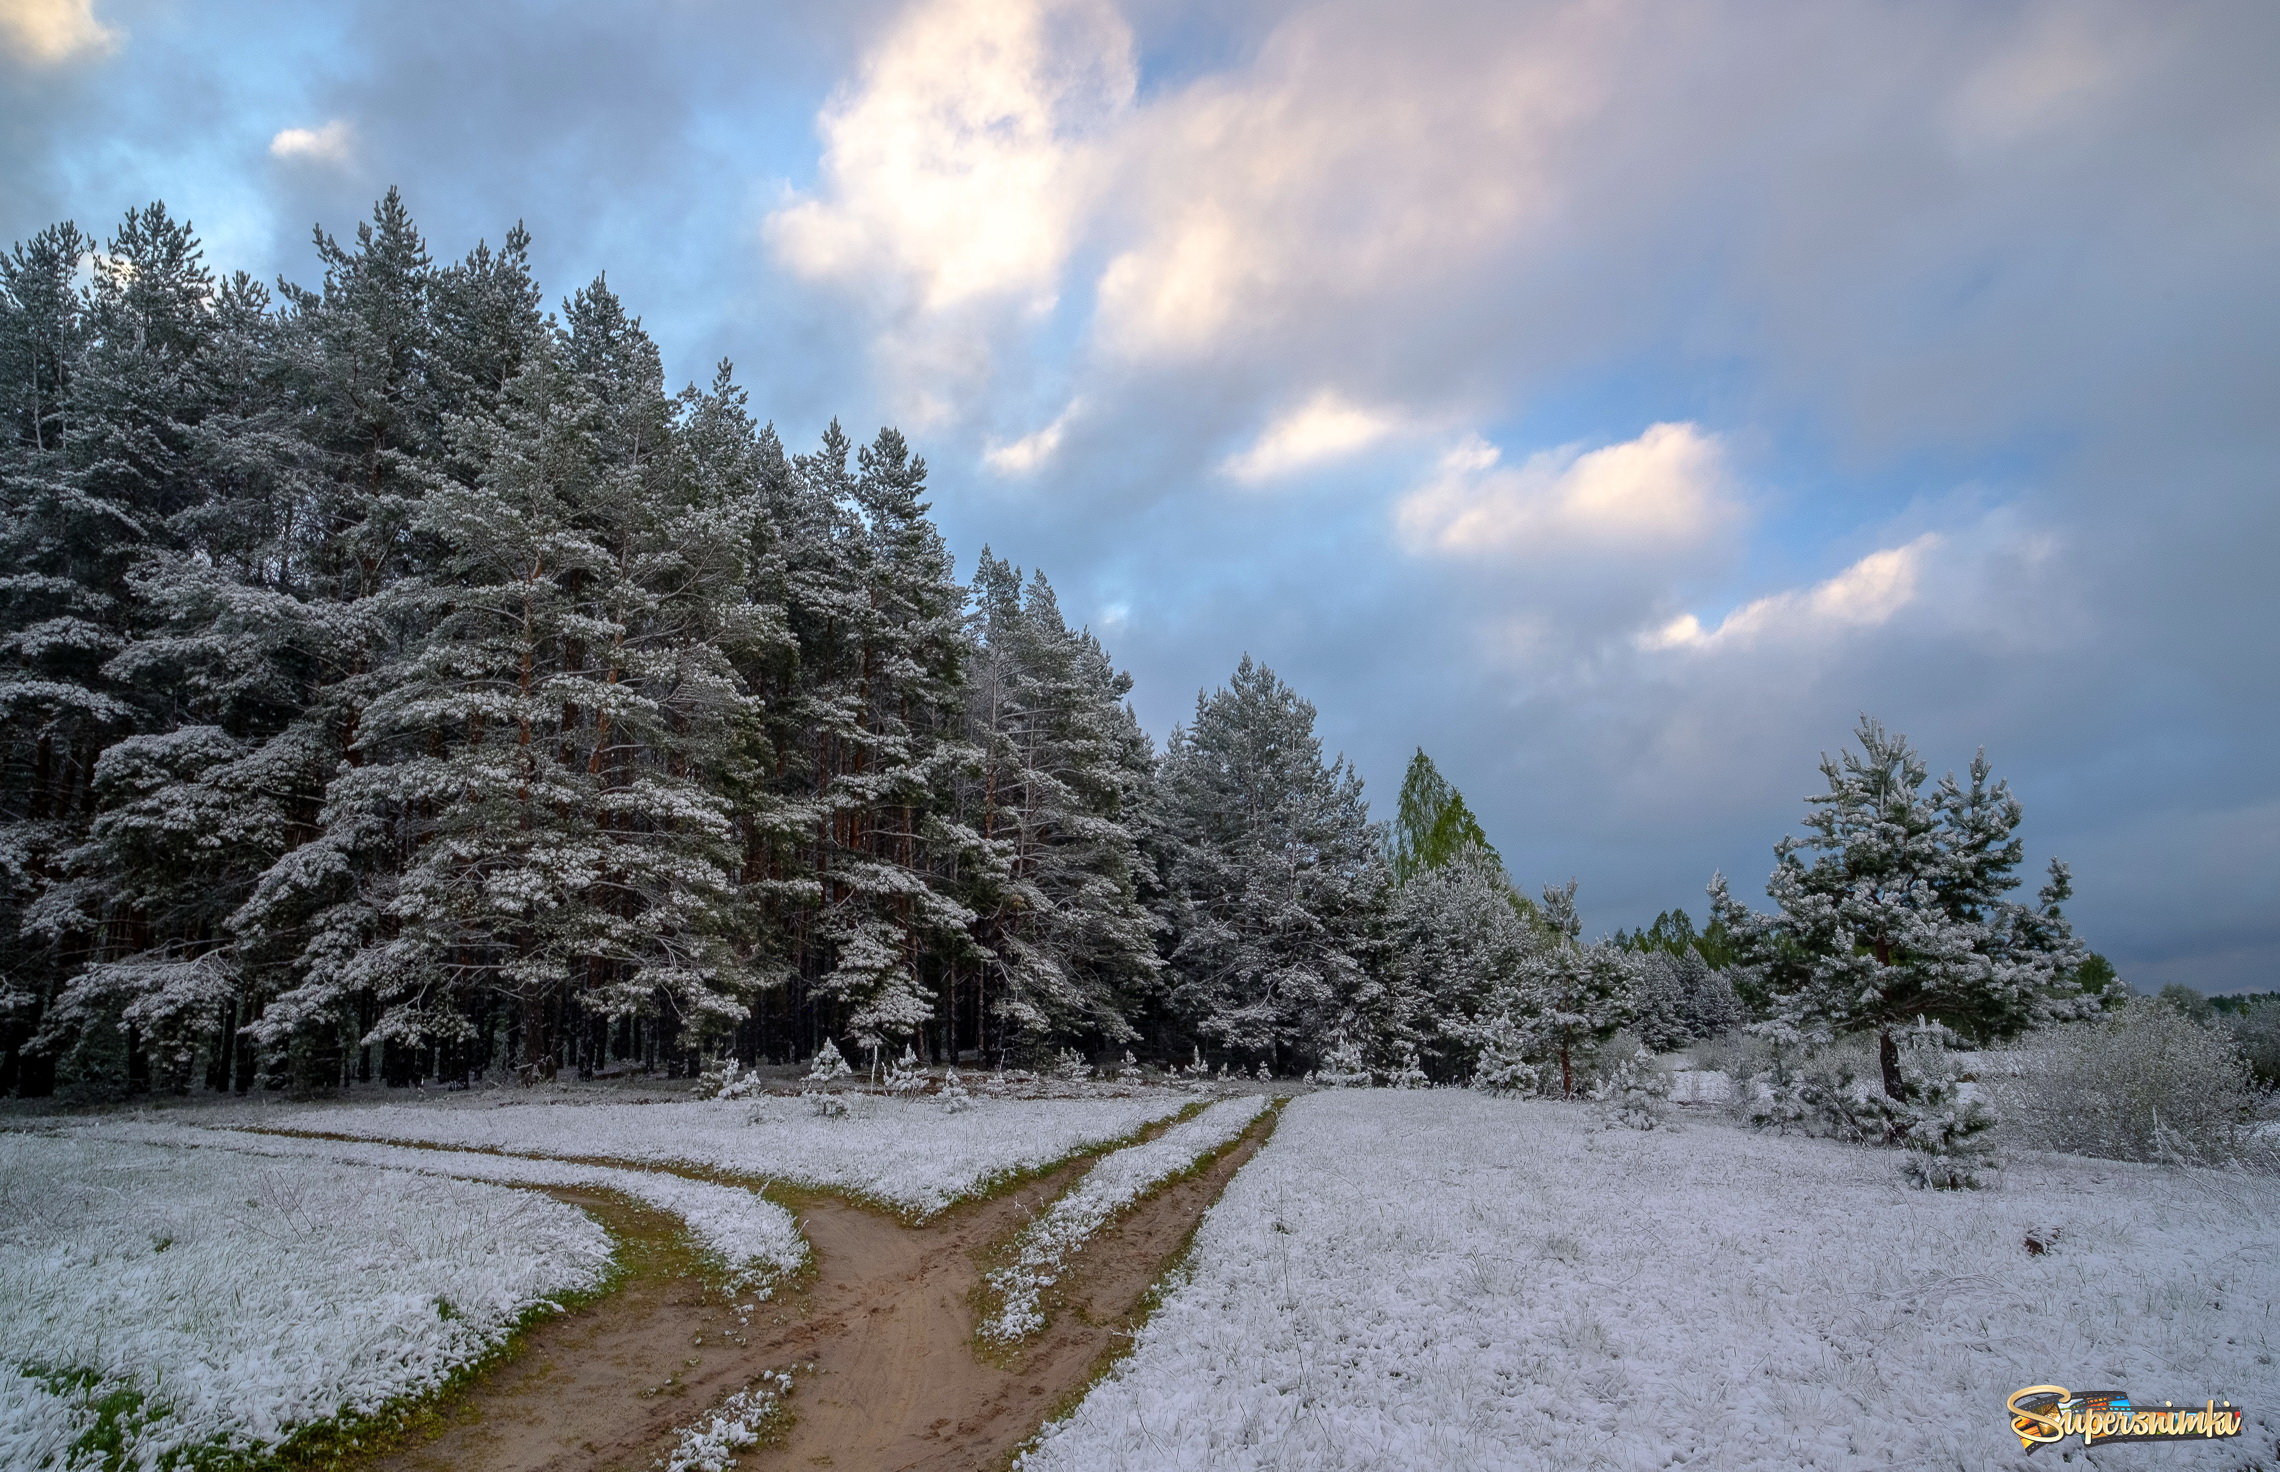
point(879, 1340)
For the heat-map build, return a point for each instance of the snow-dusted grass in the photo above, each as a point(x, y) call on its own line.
point(752, 1239)
point(910, 1154)
point(1436, 1279)
point(1114, 1182)
point(218, 1299)
point(711, 1442)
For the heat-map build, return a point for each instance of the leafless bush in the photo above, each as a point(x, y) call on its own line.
point(2145, 1082)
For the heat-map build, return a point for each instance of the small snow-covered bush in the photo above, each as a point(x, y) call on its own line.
point(1828, 1099)
point(826, 1106)
point(1343, 1066)
point(1950, 1137)
point(829, 1066)
point(1503, 1066)
point(2143, 1082)
point(954, 1098)
point(1402, 1071)
point(729, 1080)
point(905, 1075)
point(1069, 1065)
point(1824, 1094)
point(1630, 1090)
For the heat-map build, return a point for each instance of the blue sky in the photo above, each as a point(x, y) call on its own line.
point(1615, 399)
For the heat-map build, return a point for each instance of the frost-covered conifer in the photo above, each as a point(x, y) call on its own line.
point(905, 1075)
point(829, 1066)
point(864, 728)
point(1401, 1070)
point(1066, 946)
point(1344, 1066)
point(1681, 999)
point(1459, 944)
point(1630, 1090)
point(1573, 996)
point(1275, 880)
point(553, 749)
point(1897, 906)
point(1505, 1059)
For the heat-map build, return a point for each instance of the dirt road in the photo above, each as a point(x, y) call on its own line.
point(879, 1339)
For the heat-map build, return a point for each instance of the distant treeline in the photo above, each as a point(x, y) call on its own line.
point(396, 678)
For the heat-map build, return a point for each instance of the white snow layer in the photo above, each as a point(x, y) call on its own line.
point(239, 1297)
point(1436, 1279)
point(909, 1153)
point(711, 1442)
point(1115, 1181)
point(753, 1239)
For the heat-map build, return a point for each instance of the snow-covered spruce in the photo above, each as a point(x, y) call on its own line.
point(1114, 1183)
point(1451, 1281)
point(710, 1443)
point(906, 1153)
point(753, 1241)
point(224, 1300)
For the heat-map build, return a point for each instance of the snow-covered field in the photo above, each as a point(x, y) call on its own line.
point(753, 1239)
point(238, 1296)
point(1436, 1279)
point(1113, 1183)
point(908, 1153)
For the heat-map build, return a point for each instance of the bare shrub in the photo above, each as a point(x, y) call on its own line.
point(2144, 1082)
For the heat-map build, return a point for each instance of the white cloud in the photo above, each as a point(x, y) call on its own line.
point(1024, 455)
point(958, 166)
point(1865, 595)
point(49, 32)
point(1326, 427)
point(326, 145)
point(1668, 488)
point(988, 150)
point(1360, 156)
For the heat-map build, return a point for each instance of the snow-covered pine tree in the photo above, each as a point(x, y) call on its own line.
point(115, 389)
point(336, 450)
point(1681, 999)
point(54, 717)
point(1458, 946)
point(866, 740)
point(1053, 880)
point(550, 751)
point(1573, 995)
point(1274, 876)
point(1896, 907)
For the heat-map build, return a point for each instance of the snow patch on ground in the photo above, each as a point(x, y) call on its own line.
point(1114, 1182)
point(754, 1240)
point(239, 1298)
point(1437, 1279)
point(909, 1153)
point(710, 1444)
